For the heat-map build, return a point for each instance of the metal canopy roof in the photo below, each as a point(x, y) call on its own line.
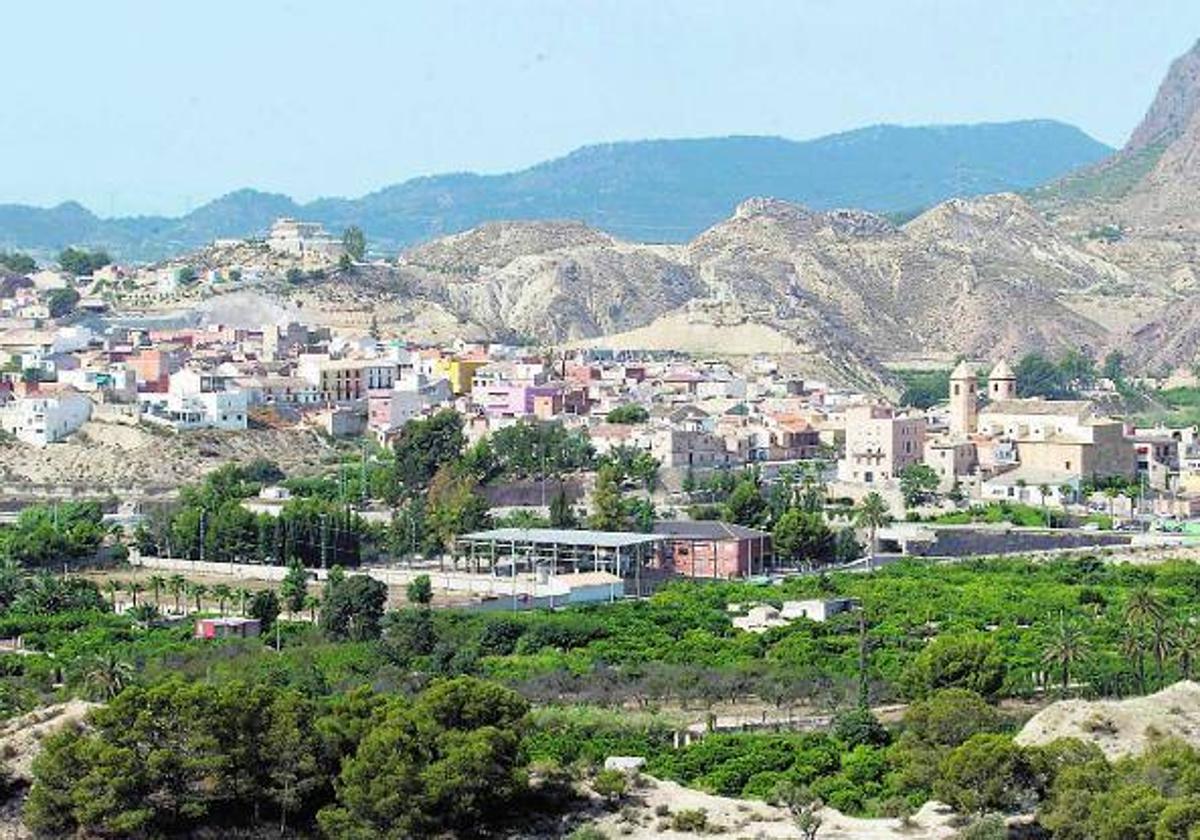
point(561, 536)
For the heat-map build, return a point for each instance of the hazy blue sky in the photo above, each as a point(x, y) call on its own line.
point(159, 106)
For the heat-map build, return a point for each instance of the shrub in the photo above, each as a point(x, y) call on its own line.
point(690, 819)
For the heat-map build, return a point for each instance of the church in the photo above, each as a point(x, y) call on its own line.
point(1002, 446)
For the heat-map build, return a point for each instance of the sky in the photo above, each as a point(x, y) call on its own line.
point(133, 106)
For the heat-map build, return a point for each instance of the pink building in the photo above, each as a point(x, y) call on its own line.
point(510, 399)
point(713, 549)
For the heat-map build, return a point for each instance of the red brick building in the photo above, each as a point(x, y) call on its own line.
point(718, 550)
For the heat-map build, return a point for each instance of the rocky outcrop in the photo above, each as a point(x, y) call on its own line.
point(1176, 102)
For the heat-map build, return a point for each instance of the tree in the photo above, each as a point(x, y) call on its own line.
point(420, 590)
point(562, 514)
point(294, 587)
point(446, 765)
point(1187, 643)
point(1078, 368)
point(860, 726)
point(986, 773)
point(1067, 647)
point(79, 262)
point(134, 588)
point(223, 593)
point(803, 538)
point(608, 509)
point(198, 591)
point(178, 586)
point(107, 675)
point(804, 805)
point(628, 414)
point(1114, 366)
point(974, 662)
point(872, 514)
point(264, 605)
point(354, 242)
point(1144, 607)
point(423, 446)
point(745, 505)
point(62, 302)
point(846, 547)
point(17, 262)
point(157, 584)
point(949, 717)
point(812, 490)
point(1037, 376)
point(353, 609)
point(312, 603)
point(455, 506)
point(918, 484)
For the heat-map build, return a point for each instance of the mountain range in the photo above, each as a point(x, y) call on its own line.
point(1103, 258)
point(647, 191)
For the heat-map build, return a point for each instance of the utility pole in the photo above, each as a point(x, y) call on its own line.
point(324, 540)
point(203, 530)
point(864, 695)
point(363, 478)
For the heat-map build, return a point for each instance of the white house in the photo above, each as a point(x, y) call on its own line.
point(41, 419)
point(197, 400)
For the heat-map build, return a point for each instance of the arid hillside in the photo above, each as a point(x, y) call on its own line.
point(1107, 258)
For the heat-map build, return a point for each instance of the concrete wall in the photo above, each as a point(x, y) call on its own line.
point(966, 541)
point(523, 587)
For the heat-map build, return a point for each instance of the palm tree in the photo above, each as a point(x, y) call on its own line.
point(1066, 491)
point(222, 593)
point(1144, 607)
point(311, 603)
point(1067, 647)
point(107, 675)
point(1111, 493)
point(1133, 647)
point(243, 595)
point(872, 514)
point(178, 585)
point(112, 587)
point(1187, 643)
point(133, 588)
point(1162, 645)
point(1043, 492)
point(197, 592)
point(158, 583)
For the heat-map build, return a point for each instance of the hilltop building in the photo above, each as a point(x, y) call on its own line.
point(303, 239)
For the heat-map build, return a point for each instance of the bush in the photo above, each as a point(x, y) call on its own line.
point(973, 662)
point(860, 726)
point(690, 820)
point(610, 784)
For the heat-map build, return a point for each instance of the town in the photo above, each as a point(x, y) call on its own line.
point(557, 421)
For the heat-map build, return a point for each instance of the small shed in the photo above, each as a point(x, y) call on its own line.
point(223, 628)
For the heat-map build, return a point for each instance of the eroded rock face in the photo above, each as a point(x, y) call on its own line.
point(1108, 258)
point(1174, 105)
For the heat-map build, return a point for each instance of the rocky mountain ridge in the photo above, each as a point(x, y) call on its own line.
point(1105, 259)
point(651, 191)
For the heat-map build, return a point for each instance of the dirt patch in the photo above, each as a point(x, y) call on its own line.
point(1120, 727)
point(143, 460)
point(21, 737)
point(745, 818)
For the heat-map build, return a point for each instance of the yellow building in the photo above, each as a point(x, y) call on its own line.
point(460, 372)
